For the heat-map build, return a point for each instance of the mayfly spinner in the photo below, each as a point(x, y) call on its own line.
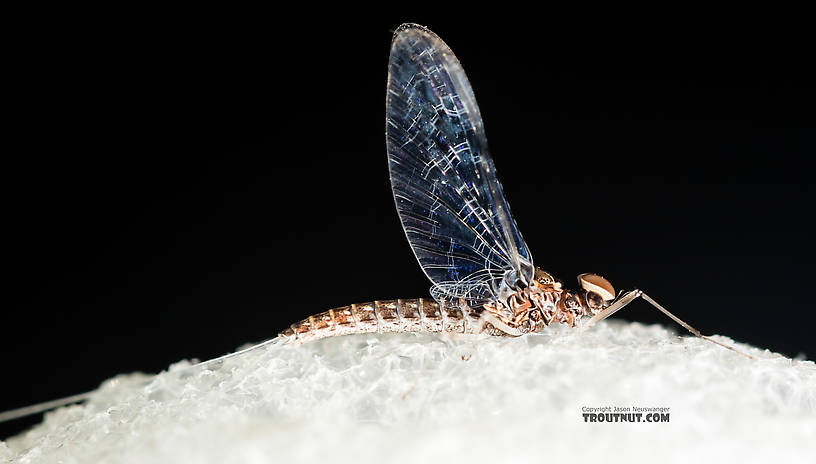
point(457, 221)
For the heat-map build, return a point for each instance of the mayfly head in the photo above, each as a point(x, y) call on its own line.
point(596, 291)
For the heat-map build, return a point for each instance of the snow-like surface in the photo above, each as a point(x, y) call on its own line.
point(419, 398)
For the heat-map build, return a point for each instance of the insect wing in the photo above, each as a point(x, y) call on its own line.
point(449, 200)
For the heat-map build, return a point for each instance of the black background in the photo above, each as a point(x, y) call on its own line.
point(176, 188)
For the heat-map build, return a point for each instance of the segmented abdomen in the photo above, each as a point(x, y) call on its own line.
point(415, 315)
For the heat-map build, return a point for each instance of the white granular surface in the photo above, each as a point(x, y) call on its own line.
point(422, 398)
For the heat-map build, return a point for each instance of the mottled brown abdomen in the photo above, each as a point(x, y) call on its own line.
point(415, 315)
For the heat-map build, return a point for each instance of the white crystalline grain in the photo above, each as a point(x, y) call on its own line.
point(420, 398)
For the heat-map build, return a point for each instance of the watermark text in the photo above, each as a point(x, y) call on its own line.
point(625, 414)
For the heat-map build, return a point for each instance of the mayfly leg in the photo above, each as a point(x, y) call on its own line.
point(631, 296)
point(616, 306)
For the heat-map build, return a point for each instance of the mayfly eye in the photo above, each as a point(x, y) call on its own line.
point(593, 283)
point(594, 300)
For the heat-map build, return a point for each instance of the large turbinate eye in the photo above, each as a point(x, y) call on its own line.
point(599, 292)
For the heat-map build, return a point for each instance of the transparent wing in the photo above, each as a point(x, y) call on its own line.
point(448, 197)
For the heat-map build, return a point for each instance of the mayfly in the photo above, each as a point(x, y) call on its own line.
point(457, 221)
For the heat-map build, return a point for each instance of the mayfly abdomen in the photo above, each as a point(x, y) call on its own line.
point(412, 315)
